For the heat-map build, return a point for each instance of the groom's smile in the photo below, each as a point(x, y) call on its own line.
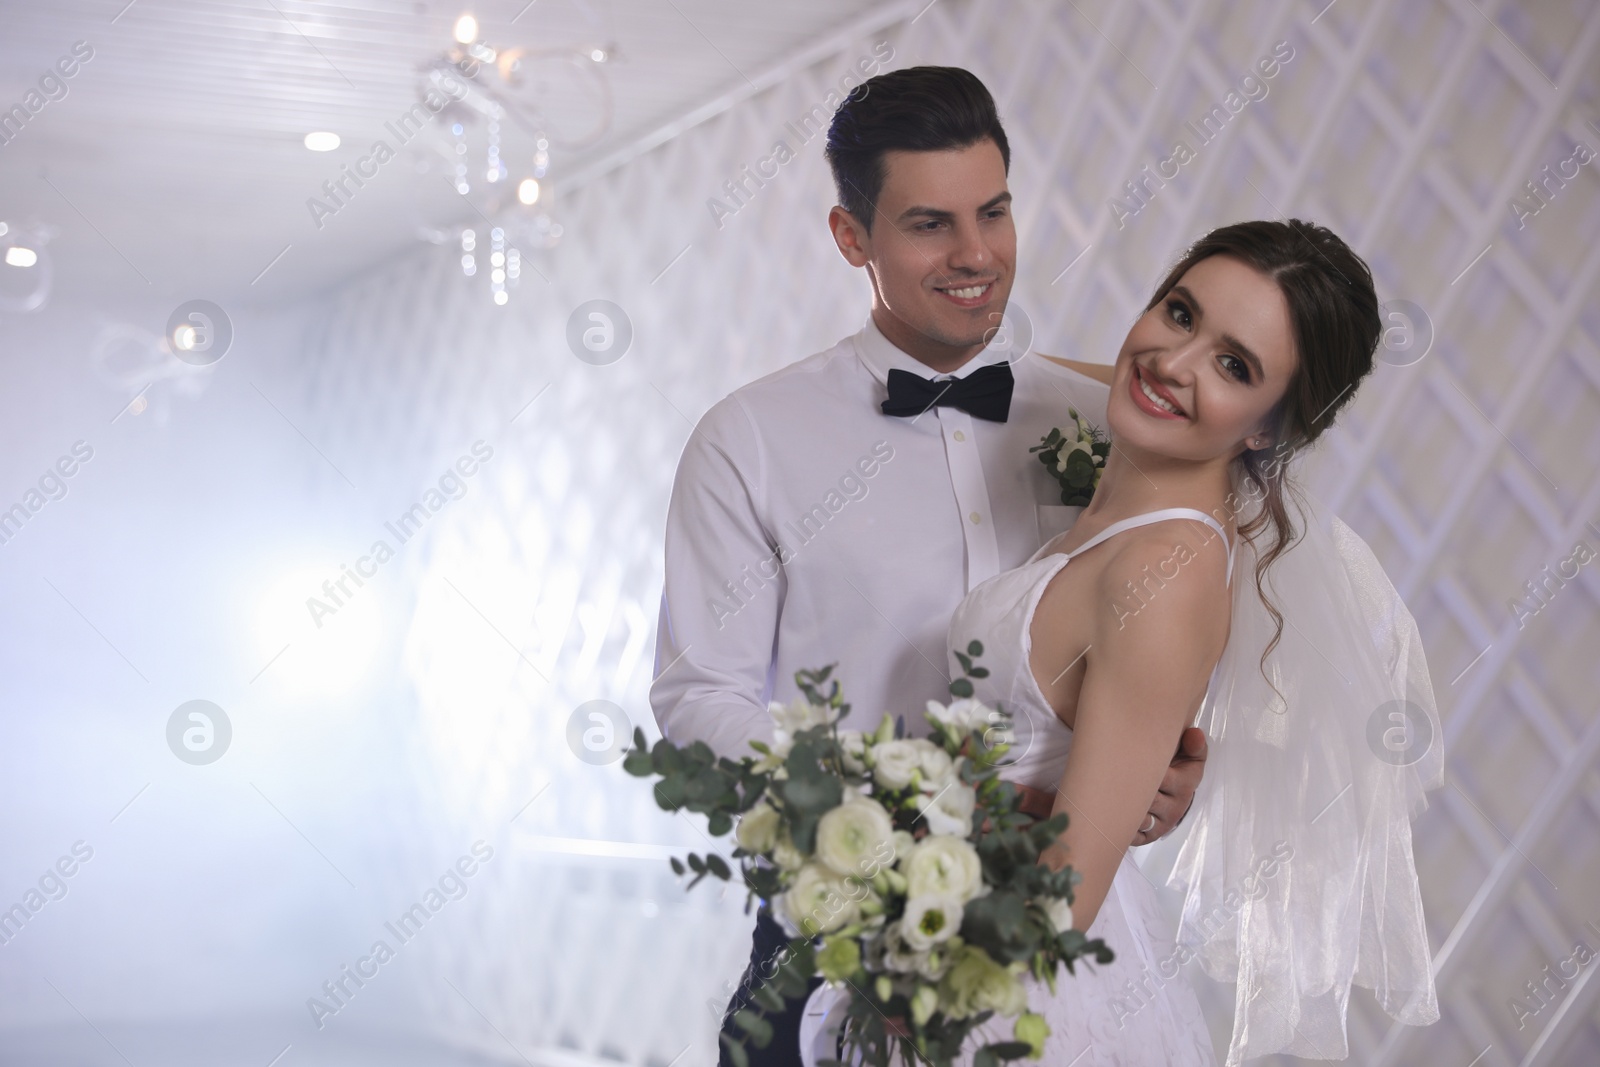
point(971, 295)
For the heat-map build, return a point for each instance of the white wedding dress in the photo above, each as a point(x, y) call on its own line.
point(1139, 1009)
point(1295, 863)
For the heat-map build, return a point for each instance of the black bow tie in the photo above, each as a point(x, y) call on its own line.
point(984, 394)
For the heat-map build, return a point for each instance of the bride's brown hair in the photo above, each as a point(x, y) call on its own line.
point(1334, 316)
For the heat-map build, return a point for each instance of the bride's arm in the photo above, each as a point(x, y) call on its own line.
point(1100, 372)
point(1144, 677)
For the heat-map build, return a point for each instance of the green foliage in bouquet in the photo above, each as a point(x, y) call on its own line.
point(1077, 462)
point(902, 868)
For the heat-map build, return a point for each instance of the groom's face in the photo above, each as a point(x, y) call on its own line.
point(942, 250)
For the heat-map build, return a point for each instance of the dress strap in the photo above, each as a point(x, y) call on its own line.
point(1158, 516)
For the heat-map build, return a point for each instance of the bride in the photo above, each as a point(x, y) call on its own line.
point(1195, 585)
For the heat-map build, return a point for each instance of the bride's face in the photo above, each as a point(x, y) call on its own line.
point(1217, 352)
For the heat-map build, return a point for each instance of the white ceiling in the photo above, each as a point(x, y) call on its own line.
point(174, 165)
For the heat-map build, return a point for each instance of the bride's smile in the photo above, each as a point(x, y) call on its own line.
point(1204, 368)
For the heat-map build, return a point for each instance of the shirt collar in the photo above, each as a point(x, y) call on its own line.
point(882, 355)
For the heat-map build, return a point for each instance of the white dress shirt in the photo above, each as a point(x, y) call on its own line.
point(806, 528)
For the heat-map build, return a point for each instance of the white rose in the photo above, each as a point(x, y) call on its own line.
point(943, 865)
point(1059, 913)
point(856, 838)
point(818, 902)
point(894, 762)
point(930, 920)
point(950, 812)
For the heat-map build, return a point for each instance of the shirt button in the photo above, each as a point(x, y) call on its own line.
point(960, 436)
point(974, 516)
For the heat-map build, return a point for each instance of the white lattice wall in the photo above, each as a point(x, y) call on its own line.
point(1409, 127)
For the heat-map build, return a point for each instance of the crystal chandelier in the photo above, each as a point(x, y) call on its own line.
point(498, 112)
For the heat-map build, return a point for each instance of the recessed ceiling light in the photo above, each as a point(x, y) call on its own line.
point(18, 256)
point(466, 29)
point(598, 55)
point(528, 191)
point(322, 141)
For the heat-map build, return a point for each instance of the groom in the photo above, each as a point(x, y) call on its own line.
point(837, 510)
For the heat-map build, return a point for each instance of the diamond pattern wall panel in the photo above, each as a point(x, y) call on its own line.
point(1414, 128)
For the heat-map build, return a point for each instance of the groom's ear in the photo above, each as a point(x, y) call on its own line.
point(854, 242)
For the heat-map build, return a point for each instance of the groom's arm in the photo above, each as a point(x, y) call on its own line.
point(714, 643)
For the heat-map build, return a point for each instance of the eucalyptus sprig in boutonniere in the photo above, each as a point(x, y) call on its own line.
point(1076, 461)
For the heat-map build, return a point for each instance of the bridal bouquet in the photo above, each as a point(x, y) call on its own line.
point(901, 868)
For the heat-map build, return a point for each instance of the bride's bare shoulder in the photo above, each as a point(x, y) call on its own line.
point(1100, 372)
point(1178, 568)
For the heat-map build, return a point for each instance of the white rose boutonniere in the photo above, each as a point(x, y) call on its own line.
point(1076, 457)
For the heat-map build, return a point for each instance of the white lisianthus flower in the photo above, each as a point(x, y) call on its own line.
point(930, 920)
point(1059, 913)
point(976, 983)
point(963, 715)
point(933, 964)
point(856, 837)
point(1061, 461)
point(758, 828)
point(949, 812)
point(818, 902)
point(777, 752)
point(799, 714)
point(899, 956)
point(785, 855)
point(938, 769)
point(894, 762)
point(852, 751)
point(943, 865)
point(903, 844)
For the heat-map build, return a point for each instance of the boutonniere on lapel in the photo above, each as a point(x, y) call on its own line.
point(1077, 459)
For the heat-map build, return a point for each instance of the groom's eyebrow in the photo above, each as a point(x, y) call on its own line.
point(1228, 339)
point(920, 211)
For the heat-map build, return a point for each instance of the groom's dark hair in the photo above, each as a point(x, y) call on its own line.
point(918, 109)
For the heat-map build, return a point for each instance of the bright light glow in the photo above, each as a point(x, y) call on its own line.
point(322, 141)
point(5, 228)
point(528, 191)
point(497, 276)
point(334, 658)
point(18, 256)
point(500, 297)
point(598, 55)
point(183, 337)
point(466, 29)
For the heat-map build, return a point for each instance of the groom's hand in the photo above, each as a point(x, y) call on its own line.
point(1039, 803)
point(1178, 786)
point(1172, 801)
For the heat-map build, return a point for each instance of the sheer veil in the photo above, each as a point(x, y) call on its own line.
point(1295, 863)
